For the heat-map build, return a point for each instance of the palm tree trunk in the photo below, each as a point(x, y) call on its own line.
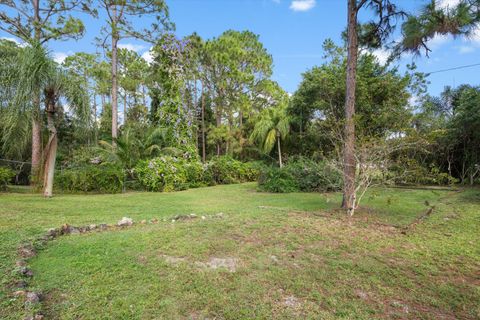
point(51, 151)
point(36, 142)
point(348, 202)
point(279, 152)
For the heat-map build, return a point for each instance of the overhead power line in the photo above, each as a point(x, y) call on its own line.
point(454, 68)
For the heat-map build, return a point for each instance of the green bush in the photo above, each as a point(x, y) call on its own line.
point(169, 173)
point(90, 178)
point(6, 175)
point(274, 179)
point(165, 173)
point(226, 170)
point(300, 174)
point(409, 171)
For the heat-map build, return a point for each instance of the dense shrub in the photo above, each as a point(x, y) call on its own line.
point(169, 173)
point(409, 171)
point(226, 170)
point(274, 179)
point(90, 178)
point(6, 175)
point(300, 174)
point(165, 173)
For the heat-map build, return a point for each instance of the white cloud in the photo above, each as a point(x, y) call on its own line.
point(465, 49)
point(414, 100)
point(11, 39)
point(476, 36)
point(438, 41)
point(448, 3)
point(302, 5)
point(18, 42)
point(59, 57)
point(131, 46)
point(382, 55)
point(148, 56)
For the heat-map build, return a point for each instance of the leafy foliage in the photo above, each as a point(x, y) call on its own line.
point(6, 175)
point(168, 173)
point(300, 174)
point(91, 178)
point(226, 170)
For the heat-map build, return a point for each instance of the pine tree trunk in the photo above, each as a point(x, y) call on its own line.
point(348, 202)
point(144, 94)
point(114, 76)
point(125, 109)
point(50, 151)
point(95, 116)
point(219, 123)
point(36, 123)
point(204, 157)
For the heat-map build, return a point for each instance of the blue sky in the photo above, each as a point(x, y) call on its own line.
point(293, 32)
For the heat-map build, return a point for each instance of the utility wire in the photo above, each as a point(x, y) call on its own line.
point(14, 161)
point(454, 68)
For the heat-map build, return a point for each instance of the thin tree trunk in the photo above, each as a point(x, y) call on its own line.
point(36, 123)
point(36, 142)
point(95, 116)
point(219, 123)
point(125, 109)
point(279, 151)
point(348, 202)
point(144, 94)
point(51, 151)
point(114, 76)
point(204, 157)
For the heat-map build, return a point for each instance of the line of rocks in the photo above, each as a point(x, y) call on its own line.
point(28, 250)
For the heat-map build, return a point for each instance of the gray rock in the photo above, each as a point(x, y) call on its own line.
point(218, 263)
point(32, 297)
point(400, 305)
point(68, 229)
point(27, 251)
point(24, 271)
point(21, 284)
point(291, 302)
point(20, 263)
point(361, 294)
point(103, 226)
point(53, 233)
point(75, 230)
point(92, 227)
point(125, 222)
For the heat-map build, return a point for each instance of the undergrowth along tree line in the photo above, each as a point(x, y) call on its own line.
point(206, 111)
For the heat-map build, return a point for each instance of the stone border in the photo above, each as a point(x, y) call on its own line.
point(28, 250)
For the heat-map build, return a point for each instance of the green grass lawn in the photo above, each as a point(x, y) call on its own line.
point(290, 256)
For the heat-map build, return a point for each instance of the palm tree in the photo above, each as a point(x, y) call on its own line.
point(132, 146)
point(271, 128)
point(34, 71)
